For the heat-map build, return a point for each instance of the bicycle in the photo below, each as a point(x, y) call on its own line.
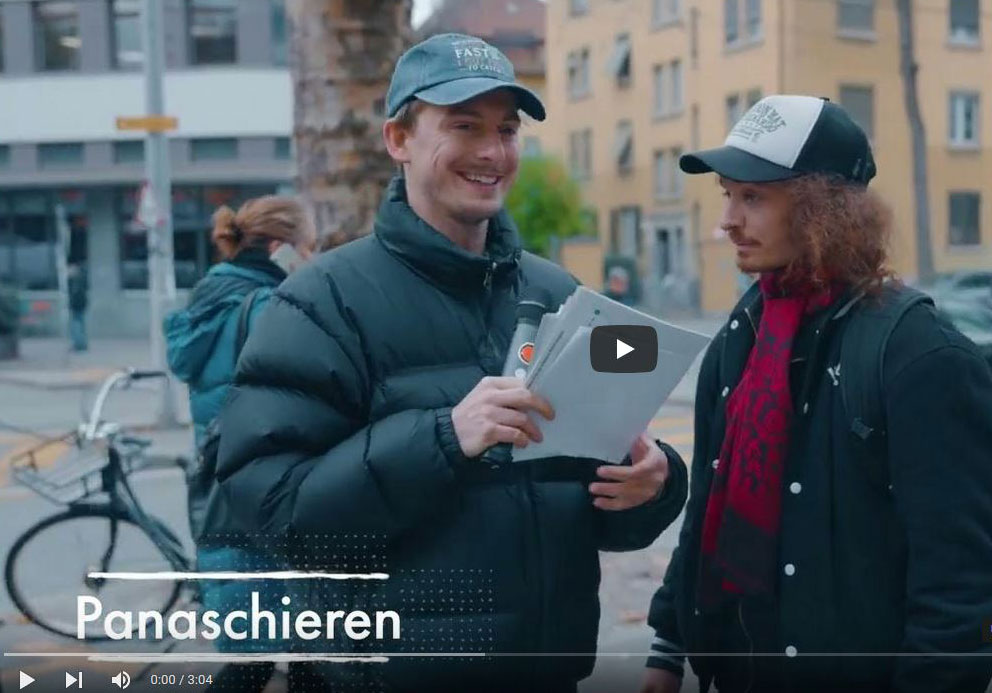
point(116, 531)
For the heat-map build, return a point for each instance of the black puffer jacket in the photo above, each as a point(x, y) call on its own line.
point(886, 555)
point(339, 434)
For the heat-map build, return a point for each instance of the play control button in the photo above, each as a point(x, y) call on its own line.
point(623, 349)
point(26, 680)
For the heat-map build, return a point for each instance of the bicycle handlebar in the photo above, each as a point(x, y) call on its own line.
point(119, 379)
point(142, 375)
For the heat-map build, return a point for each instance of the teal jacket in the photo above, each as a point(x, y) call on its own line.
point(200, 346)
point(200, 338)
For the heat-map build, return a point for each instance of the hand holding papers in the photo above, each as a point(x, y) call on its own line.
point(600, 414)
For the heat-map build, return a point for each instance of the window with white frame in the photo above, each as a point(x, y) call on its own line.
point(661, 169)
point(625, 231)
point(752, 18)
point(965, 22)
point(677, 176)
point(580, 154)
point(212, 27)
point(675, 72)
point(856, 16)
point(734, 111)
point(660, 95)
point(665, 12)
point(859, 102)
point(623, 150)
point(694, 127)
point(964, 212)
point(578, 73)
point(669, 182)
point(694, 37)
point(578, 7)
point(57, 37)
point(731, 21)
point(619, 66)
point(964, 114)
point(128, 51)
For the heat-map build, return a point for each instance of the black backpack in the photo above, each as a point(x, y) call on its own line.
point(203, 506)
point(862, 382)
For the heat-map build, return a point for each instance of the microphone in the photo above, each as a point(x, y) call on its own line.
point(534, 303)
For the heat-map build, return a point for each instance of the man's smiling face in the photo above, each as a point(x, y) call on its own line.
point(463, 159)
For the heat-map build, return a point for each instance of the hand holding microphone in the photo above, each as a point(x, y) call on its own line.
point(494, 415)
point(495, 412)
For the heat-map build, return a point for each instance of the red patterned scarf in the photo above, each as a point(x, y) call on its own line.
point(739, 552)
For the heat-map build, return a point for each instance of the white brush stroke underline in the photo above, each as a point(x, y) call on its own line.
point(234, 575)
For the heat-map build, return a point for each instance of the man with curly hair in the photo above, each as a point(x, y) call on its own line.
point(827, 547)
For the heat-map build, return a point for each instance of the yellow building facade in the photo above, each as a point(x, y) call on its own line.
point(632, 84)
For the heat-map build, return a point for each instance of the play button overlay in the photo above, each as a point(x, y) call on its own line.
point(26, 680)
point(623, 349)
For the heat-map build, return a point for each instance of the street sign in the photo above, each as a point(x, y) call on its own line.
point(148, 123)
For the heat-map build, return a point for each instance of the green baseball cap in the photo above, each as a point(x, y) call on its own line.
point(452, 68)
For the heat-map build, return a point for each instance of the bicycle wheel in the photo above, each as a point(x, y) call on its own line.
point(48, 568)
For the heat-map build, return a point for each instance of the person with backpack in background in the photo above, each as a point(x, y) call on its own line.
point(259, 245)
point(841, 486)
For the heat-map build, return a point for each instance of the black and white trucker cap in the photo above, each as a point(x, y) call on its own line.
point(783, 137)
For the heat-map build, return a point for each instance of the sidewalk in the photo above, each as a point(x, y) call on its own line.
point(46, 362)
point(45, 392)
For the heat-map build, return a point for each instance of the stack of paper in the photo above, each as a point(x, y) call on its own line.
point(599, 415)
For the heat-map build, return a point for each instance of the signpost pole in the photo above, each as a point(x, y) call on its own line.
point(161, 275)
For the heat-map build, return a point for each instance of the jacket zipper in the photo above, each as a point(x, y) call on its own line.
point(754, 328)
point(528, 489)
point(487, 282)
point(538, 570)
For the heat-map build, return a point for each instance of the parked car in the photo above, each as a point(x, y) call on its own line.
point(966, 285)
point(973, 318)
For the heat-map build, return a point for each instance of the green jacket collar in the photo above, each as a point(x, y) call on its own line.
point(432, 255)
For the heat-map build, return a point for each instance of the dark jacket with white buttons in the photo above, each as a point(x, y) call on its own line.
point(873, 559)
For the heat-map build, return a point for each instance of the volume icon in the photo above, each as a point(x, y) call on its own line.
point(122, 680)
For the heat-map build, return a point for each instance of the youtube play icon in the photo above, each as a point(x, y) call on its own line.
point(623, 349)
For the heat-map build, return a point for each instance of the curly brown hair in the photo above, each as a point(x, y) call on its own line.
point(843, 232)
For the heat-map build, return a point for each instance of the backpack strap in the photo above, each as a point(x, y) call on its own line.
point(244, 315)
point(862, 357)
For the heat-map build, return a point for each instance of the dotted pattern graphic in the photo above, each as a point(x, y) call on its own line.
point(440, 610)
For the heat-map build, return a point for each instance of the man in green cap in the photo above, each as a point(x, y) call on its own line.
point(370, 389)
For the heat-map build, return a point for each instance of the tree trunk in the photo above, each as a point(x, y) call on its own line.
point(909, 69)
point(342, 56)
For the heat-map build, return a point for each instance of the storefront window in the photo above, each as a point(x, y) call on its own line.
point(192, 209)
point(28, 236)
point(6, 244)
point(33, 242)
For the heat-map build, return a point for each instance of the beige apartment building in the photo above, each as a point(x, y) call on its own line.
point(631, 84)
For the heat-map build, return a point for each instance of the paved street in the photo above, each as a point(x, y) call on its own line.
point(44, 393)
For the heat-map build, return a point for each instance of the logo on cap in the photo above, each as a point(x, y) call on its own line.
point(479, 56)
point(761, 119)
